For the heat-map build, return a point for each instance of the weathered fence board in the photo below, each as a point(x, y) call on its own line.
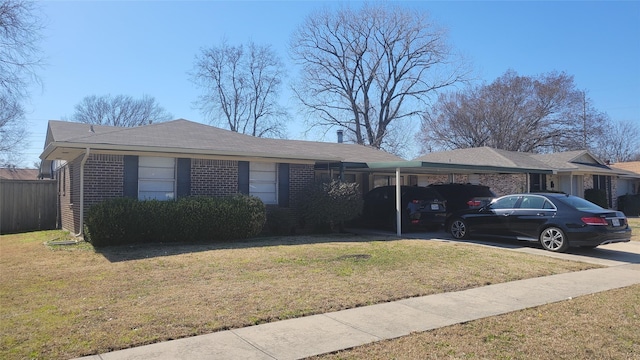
point(27, 205)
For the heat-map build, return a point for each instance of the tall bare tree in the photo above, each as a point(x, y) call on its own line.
point(240, 87)
point(119, 110)
point(519, 113)
point(20, 58)
point(364, 70)
point(619, 142)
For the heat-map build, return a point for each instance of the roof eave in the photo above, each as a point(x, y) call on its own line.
point(51, 147)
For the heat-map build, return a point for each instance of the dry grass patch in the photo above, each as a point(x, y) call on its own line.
point(597, 326)
point(63, 302)
point(634, 223)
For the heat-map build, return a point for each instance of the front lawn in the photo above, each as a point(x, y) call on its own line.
point(634, 223)
point(60, 302)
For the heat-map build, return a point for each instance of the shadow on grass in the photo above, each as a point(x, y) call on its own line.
point(139, 251)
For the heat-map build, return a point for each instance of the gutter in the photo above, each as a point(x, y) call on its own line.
point(84, 160)
point(155, 149)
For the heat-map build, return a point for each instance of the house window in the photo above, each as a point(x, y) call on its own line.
point(263, 181)
point(156, 178)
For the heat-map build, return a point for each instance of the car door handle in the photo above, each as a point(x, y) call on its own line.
point(541, 214)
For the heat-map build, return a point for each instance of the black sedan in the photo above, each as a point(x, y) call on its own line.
point(557, 221)
point(421, 207)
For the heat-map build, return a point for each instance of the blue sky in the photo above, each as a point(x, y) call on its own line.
point(147, 47)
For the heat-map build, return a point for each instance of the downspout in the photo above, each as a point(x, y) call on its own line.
point(82, 162)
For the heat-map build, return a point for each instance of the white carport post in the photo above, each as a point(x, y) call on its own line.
point(398, 205)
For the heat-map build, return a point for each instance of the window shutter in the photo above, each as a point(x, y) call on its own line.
point(183, 187)
point(130, 186)
point(243, 177)
point(283, 185)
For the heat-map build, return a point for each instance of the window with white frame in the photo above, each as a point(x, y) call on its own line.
point(263, 181)
point(156, 178)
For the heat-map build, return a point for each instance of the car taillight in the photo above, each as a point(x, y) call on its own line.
point(416, 201)
point(594, 221)
point(474, 203)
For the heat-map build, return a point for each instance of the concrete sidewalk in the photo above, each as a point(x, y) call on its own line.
point(318, 334)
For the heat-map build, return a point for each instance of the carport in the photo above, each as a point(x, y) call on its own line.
point(417, 167)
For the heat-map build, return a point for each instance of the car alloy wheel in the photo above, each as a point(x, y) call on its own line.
point(553, 239)
point(458, 229)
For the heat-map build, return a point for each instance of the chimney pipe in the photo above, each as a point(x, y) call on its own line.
point(340, 135)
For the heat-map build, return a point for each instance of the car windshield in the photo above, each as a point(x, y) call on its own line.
point(580, 203)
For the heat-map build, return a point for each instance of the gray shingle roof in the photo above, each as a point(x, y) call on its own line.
point(185, 136)
point(485, 156)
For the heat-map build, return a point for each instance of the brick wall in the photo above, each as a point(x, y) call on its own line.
point(300, 176)
point(501, 184)
point(103, 178)
point(504, 184)
point(69, 194)
point(214, 177)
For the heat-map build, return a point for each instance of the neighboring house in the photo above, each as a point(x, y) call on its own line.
point(11, 173)
point(629, 183)
point(506, 172)
point(571, 172)
point(182, 158)
point(576, 171)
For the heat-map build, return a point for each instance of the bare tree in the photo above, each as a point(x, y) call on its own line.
point(364, 70)
point(518, 113)
point(240, 87)
point(120, 110)
point(20, 58)
point(586, 123)
point(619, 142)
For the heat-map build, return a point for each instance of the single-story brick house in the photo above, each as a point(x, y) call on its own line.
point(182, 158)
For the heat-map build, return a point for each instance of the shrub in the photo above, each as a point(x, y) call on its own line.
point(597, 196)
point(279, 221)
point(629, 204)
point(327, 206)
point(125, 220)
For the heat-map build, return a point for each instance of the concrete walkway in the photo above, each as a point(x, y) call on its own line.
point(318, 334)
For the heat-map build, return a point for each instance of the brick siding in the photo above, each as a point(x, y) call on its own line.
point(103, 178)
point(214, 177)
point(300, 177)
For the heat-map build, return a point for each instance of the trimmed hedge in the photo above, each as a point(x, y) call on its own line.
point(597, 196)
point(280, 221)
point(629, 204)
point(125, 220)
point(328, 206)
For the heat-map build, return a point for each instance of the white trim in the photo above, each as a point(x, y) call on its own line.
point(82, 162)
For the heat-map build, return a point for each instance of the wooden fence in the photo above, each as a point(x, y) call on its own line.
point(28, 205)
